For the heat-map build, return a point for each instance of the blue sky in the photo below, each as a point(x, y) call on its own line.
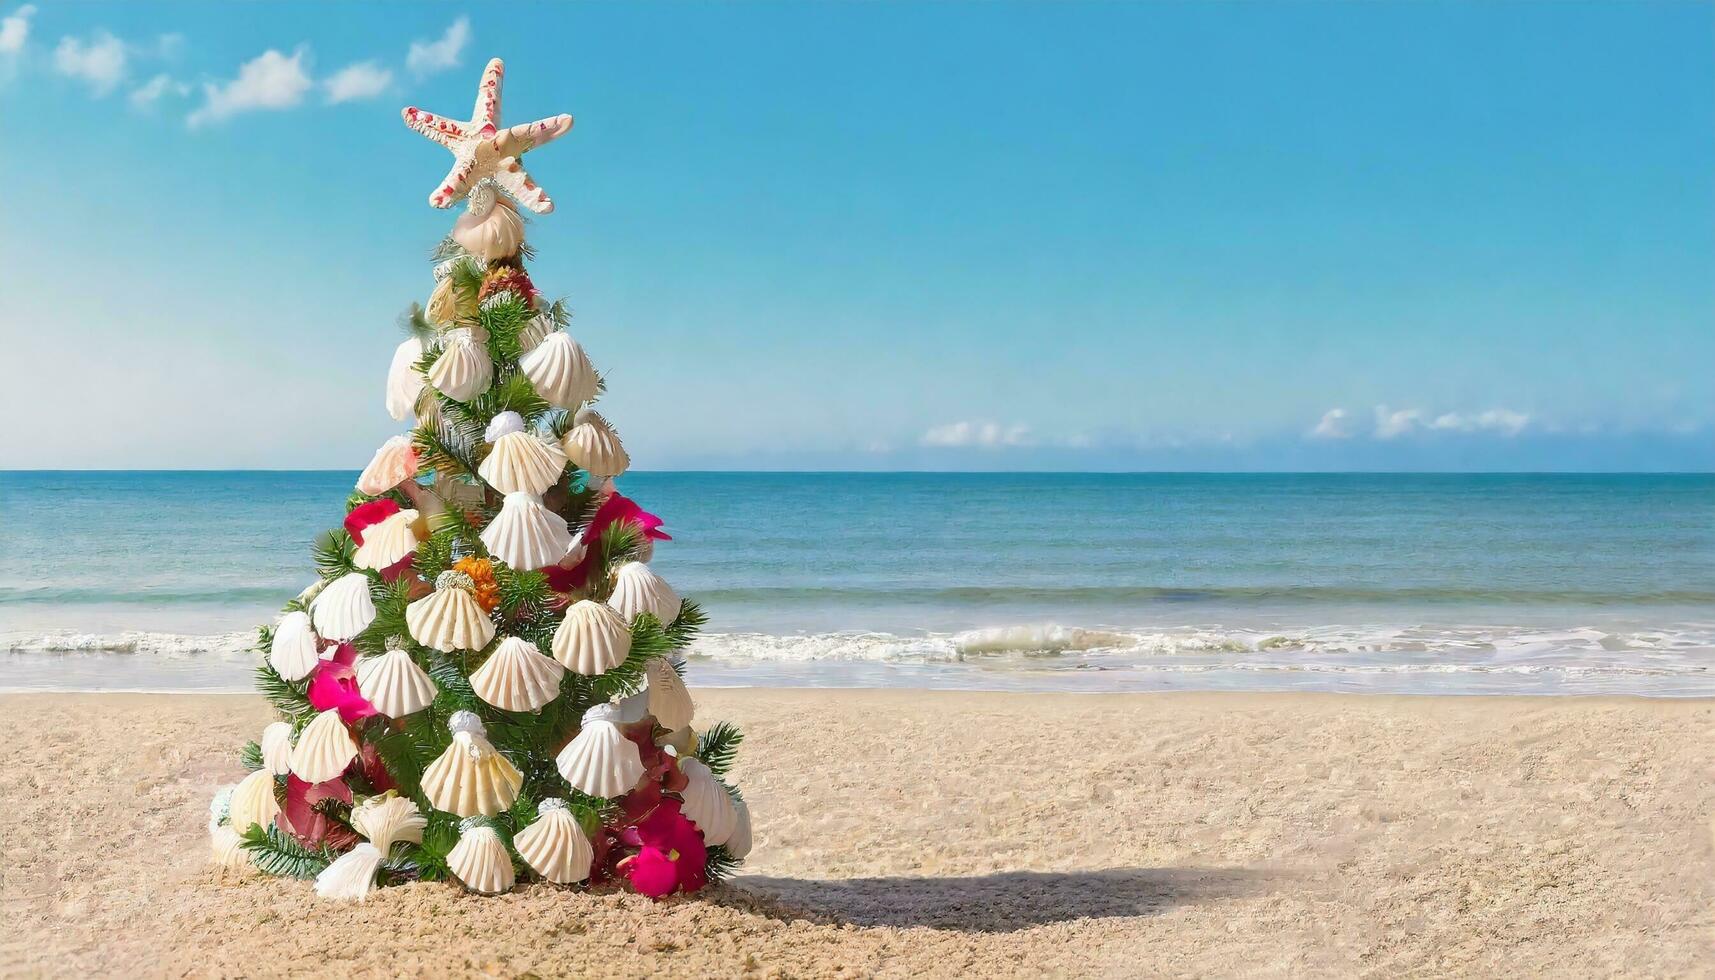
point(1151, 236)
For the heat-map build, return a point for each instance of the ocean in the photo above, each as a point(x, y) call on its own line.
point(1482, 584)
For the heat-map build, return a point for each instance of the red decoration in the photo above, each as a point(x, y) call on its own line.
point(334, 685)
point(616, 509)
point(671, 855)
point(368, 514)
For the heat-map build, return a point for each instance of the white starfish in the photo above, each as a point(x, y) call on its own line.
point(481, 149)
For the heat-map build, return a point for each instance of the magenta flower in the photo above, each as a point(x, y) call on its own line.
point(334, 685)
point(672, 856)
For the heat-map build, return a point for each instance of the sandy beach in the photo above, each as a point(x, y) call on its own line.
point(904, 833)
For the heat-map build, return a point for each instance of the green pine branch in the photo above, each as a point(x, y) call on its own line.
point(721, 863)
point(717, 747)
point(287, 698)
point(276, 853)
point(333, 552)
point(250, 757)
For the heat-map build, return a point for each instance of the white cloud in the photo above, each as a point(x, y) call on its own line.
point(1392, 425)
point(269, 81)
point(15, 30)
point(151, 91)
point(100, 61)
point(985, 435)
point(427, 57)
point(363, 80)
point(1501, 420)
point(1334, 425)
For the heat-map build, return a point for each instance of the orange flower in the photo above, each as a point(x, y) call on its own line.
point(481, 571)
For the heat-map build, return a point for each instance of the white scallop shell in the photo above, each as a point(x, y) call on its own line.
point(594, 446)
point(517, 677)
point(324, 749)
point(226, 848)
point(592, 639)
point(395, 684)
point(525, 534)
point(253, 802)
point(351, 877)
point(494, 235)
point(387, 541)
point(394, 463)
point(555, 846)
point(344, 608)
point(540, 328)
point(480, 860)
point(522, 462)
point(601, 761)
point(707, 803)
point(471, 777)
point(560, 371)
point(463, 369)
point(388, 819)
point(294, 651)
point(739, 844)
point(669, 699)
point(637, 589)
point(449, 619)
point(404, 383)
point(277, 748)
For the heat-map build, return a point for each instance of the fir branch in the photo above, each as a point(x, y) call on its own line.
point(442, 449)
point(466, 275)
point(390, 601)
point(287, 698)
point(718, 747)
point(504, 318)
point(415, 323)
point(721, 863)
point(250, 757)
point(521, 593)
point(511, 391)
point(333, 552)
point(439, 838)
point(278, 854)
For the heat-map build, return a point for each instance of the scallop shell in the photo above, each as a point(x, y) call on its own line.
point(344, 608)
point(449, 619)
point(277, 748)
point(226, 848)
point(395, 684)
point(540, 328)
point(394, 463)
point(707, 803)
point(387, 542)
point(294, 651)
point(480, 860)
point(463, 369)
point(471, 777)
point(601, 761)
point(404, 382)
point(522, 462)
point(517, 677)
point(447, 305)
point(637, 589)
point(594, 446)
point(739, 843)
point(351, 877)
point(592, 639)
point(526, 534)
point(669, 700)
point(388, 819)
point(324, 748)
point(495, 235)
point(555, 846)
point(253, 802)
point(560, 371)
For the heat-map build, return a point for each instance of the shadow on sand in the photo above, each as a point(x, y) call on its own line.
point(1001, 902)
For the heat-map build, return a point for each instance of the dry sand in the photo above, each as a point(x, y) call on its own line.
point(903, 833)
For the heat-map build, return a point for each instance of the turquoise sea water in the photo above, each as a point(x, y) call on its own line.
point(1483, 583)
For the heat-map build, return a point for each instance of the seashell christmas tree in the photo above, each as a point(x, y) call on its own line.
point(483, 685)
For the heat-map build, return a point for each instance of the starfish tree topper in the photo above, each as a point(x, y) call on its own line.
point(482, 150)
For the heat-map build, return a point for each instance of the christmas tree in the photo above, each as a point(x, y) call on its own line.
point(484, 685)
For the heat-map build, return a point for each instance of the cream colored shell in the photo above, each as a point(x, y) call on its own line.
point(446, 305)
point(525, 534)
point(560, 371)
point(388, 819)
point(226, 848)
point(523, 462)
point(594, 446)
point(601, 761)
point(325, 747)
point(395, 684)
point(669, 699)
point(540, 328)
point(253, 802)
point(463, 368)
point(294, 651)
point(707, 803)
point(393, 464)
point(449, 619)
point(592, 639)
point(739, 843)
point(495, 235)
point(404, 382)
point(344, 608)
point(480, 860)
point(277, 748)
point(637, 590)
point(387, 541)
point(555, 847)
point(471, 777)
point(517, 677)
point(351, 877)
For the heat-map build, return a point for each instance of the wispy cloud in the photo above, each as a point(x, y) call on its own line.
point(15, 30)
point(1333, 425)
point(270, 81)
point(99, 62)
point(1391, 424)
point(153, 90)
point(1501, 420)
point(428, 57)
point(983, 435)
point(1397, 423)
point(363, 80)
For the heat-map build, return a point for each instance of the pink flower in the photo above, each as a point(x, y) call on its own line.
point(367, 515)
point(671, 855)
point(309, 825)
point(334, 685)
point(614, 510)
